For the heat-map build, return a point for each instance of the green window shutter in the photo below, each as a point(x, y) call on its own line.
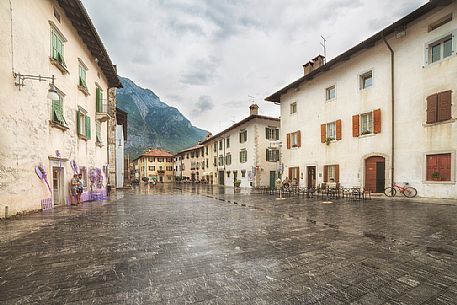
point(98, 132)
point(55, 110)
point(88, 127)
point(268, 159)
point(78, 122)
point(98, 97)
point(54, 45)
point(277, 134)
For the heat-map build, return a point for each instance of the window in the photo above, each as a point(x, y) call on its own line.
point(272, 133)
point(228, 174)
point(83, 172)
point(192, 154)
point(366, 126)
point(56, 14)
point(293, 108)
point(151, 159)
point(57, 47)
point(83, 124)
point(99, 99)
point(197, 153)
point(187, 156)
point(294, 173)
point(331, 131)
point(439, 107)
point(57, 111)
point(206, 162)
point(228, 159)
point(160, 160)
point(169, 160)
point(243, 173)
point(221, 142)
point(294, 139)
point(243, 136)
point(366, 80)
point(152, 168)
point(227, 142)
point(215, 147)
point(440, 22)
point(331, 173)
point(440, 49)
point(330, 93)
point(98, 132)
point(438, 167)
point(272, 155)
point(82, 75)
point(206, 150)
point(221, 161)
point(215, 161)
point(366, 123)
point(243, 156)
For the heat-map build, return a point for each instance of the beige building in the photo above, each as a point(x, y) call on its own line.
point(155, 165)
point(245, 154)
point(58, 87)
point(381, 112)
point(190, 164)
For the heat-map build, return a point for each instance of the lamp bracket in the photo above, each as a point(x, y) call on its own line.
point(20, 78)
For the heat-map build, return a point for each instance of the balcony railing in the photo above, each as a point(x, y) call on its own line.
point(104, 111)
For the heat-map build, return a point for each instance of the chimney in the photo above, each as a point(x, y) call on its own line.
point(254, 109)
point(308, 67)
point(319, 61)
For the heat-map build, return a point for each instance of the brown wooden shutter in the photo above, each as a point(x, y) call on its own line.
point(444, 106)
point(290, 173)
point(355, 125)
point(325, 173)
point(444, 166)
point(338, 129)
point(323, 131)
point(377, 121)
point(337, 173)
point(299, 138)
point(288, 141)
point(432, 105)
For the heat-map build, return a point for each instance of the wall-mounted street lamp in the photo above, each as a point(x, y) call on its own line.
point(20, 78)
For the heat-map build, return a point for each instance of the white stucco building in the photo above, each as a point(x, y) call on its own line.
point(381, 111)
point(246, 152)
point(70, 133)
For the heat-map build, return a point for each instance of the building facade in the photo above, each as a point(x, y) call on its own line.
point(245, 154)
point(121, 137)
point(155, 165)
point(381, 112)
point(190, 164)
point(46, 140)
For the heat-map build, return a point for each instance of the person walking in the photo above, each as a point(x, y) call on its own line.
point(80, 187)
point(74, 184)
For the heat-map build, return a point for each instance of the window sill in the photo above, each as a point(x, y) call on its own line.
point(438, 123)
point(430, 65)
point(331, 100)
point(59, 66)
point(58, 125)
point(439, 182)
point(84, 90)
point(368, 135)
point(82, 137)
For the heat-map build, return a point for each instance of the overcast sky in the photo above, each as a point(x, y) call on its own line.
point(208, 57)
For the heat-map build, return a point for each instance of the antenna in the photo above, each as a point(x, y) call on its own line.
point(324, 45)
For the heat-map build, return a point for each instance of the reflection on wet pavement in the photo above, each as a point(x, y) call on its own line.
point(209, 245)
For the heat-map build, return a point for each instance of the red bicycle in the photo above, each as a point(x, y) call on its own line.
point(406, 190)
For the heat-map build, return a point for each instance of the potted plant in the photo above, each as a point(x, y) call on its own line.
point(237, 183)
point(436, 176)
point(366, 132)
point(328, 140)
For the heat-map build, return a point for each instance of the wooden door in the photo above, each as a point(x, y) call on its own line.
point(311, 176)
point(375, 174)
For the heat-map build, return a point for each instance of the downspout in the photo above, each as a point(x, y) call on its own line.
point(392, 80)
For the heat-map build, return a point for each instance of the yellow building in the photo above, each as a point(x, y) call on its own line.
point(156, 165)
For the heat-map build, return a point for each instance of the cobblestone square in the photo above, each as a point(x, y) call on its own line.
point(204, 245)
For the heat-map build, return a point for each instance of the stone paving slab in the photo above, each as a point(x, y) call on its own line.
point(190, 245)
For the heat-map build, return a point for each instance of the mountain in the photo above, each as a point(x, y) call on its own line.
point(152, 123)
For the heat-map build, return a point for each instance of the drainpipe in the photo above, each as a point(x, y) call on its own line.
point(392, 80)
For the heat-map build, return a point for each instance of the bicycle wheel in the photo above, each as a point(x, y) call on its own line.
point(410, 192)
point(390, 192)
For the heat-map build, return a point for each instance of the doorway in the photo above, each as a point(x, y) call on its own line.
point(221, 177)
point(58, 185)
point(311, 176)
point(272, 179)
point(235, 177)
point(375, 176)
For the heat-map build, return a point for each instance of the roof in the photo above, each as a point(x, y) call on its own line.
point(81, 21)
point(251, 117)
point(155, 152)
point(197, 146)
point(366, 44)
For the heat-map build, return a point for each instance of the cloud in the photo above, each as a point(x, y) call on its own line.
point(204, 104)
point(230, 49)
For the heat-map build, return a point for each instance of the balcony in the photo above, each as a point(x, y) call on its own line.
point(104, 111)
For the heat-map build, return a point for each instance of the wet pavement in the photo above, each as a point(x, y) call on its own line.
point(204, 245)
